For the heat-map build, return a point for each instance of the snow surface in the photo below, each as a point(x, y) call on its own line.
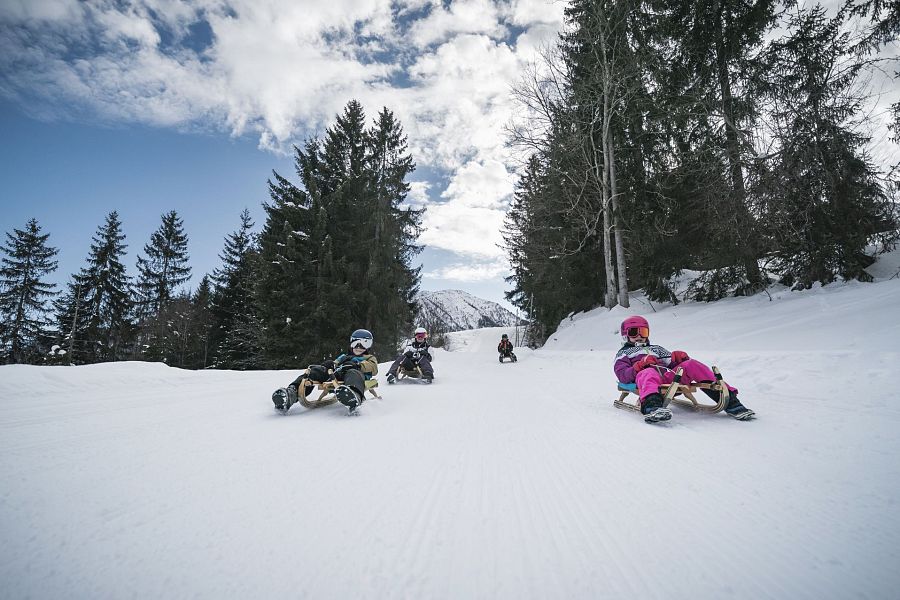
point(518, 480)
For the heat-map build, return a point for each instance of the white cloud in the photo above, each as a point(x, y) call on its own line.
point(462, 16)
point(418, 193)
point(282, 69)
point(469, 231)
point(471, 271)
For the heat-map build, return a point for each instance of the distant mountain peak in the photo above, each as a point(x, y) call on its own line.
point(458, 310)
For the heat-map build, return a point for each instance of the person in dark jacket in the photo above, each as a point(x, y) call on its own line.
point(505, 348)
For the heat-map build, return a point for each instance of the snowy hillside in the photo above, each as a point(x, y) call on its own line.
point(456, 310)
point(515, 480)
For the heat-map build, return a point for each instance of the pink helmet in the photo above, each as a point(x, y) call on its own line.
point(635, 322)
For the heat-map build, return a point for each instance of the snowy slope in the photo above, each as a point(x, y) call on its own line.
point(456, 310)
point(498, 481)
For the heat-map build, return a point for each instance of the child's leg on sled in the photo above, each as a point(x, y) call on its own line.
point(286, 397)
point(427, 369)
point(696, 371)
point(648, 381)
point(352, 390)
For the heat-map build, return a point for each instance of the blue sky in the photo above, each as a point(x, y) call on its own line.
point(148, 106)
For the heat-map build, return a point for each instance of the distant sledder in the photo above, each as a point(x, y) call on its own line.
point(415, 360)
point(345, 379)
point(657, 376)
point(505, 348)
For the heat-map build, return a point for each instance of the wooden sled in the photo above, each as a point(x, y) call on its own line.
point(326, 397)
point(676, 388)
point(512, 358)
point(412, 374)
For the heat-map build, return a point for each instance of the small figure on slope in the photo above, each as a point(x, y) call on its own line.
point(650, 366)
point(351, 369)
point(416, 353)
point(505, 348)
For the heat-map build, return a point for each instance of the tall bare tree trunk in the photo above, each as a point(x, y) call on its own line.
point(621, 273)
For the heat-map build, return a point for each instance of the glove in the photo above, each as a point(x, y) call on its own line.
point(329, 365)
point(679, 356)
point(342, 369)
point(646, 361)
point(317, 373)
point(416, 356)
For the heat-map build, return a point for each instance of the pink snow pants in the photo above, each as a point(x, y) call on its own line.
point(648, 380)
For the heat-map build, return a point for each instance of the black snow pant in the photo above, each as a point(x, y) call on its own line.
point(409, 363)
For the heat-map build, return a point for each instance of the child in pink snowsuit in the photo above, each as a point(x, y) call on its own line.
point(651, 366)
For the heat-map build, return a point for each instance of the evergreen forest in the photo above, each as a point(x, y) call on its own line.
point(728, 140)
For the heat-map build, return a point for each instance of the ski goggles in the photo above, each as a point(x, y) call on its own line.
point(364, 343)
point(638, 331)
point(420, 336)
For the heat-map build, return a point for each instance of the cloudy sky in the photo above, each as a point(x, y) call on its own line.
point(148, 106)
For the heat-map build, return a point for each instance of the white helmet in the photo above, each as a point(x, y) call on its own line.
point(361, 337)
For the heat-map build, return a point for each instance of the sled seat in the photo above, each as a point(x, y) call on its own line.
point(326, 397)
point(670, 392)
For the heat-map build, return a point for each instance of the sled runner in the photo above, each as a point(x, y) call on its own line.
point(327, 397)
point(676, 388)
point(412, 374)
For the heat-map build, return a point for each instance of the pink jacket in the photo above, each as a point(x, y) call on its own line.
point(630, 354)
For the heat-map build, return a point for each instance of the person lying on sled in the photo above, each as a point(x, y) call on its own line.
point(651, 366)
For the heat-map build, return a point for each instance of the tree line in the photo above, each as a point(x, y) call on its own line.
point(334, 255)
point(724, 137)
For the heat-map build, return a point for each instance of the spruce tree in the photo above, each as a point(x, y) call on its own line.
point(335, 250)
point(286, 283)
point(24, 293)
point(393, 229)
point(100, 297)
point(824, 198)
point(233, 305)
point(160, 272)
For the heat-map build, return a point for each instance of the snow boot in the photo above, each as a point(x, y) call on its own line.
point(349, 397)
point(653, 410)
point(738, 410)
point(428, 378)
point(284, 398)
point(501, 359)
point(514, 359)
point(391, 378)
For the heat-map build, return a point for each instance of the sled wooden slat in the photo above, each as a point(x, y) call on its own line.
point(326, 397)
point(673, 390)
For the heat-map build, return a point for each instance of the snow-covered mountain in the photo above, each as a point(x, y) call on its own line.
point(456, 310)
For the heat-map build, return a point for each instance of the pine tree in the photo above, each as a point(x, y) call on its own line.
point(100, 297)
point(824, 197)
point(286, 283)
point(393, 230)
point(23, 293)
point(710, 49)
point(335, 252)
point(233, 301)
point(164, 268)
point(200, 345)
